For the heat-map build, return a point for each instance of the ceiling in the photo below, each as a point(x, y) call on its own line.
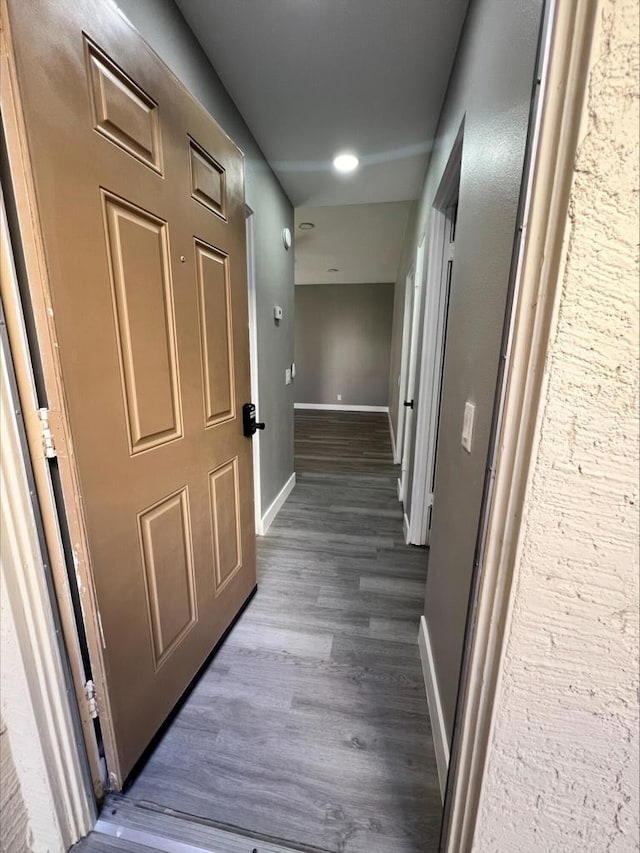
point(362, 241)
point(314, 77)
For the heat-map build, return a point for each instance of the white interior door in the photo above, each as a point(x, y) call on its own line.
point(438, 334)
point(408, 402)
point(404, 365)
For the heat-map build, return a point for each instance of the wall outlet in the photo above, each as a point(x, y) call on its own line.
point(467, 425)
point(287, 376)
point(338, 397)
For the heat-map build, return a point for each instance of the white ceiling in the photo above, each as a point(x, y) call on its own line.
point(363, 241)
point(313, 77)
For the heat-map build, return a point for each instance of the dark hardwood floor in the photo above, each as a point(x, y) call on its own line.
point(310, 726)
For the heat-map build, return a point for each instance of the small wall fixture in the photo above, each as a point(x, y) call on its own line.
point(333, 269)
point(306, 226)
point(286, 238)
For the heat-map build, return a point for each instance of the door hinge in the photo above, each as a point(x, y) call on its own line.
point(48, 443)
point(92, 702)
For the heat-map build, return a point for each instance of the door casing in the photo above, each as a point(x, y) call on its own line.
point(432, 350)
point(412, 375)
point(404, 358)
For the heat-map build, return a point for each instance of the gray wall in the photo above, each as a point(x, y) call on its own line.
point(163, 27)
point(343, 343)
point(490, 89)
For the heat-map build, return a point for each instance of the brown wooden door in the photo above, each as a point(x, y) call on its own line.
point(140, 202)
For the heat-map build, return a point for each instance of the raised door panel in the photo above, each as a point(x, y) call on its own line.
point(208, 185)
point(224, 494)
point(166, 545)
point(216, 333)
point(122, 111)
point(143, 305)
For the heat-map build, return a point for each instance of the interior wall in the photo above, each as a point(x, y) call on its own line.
point(161, 24)
point(563, 751)
point(490, 91)
point(343, 343)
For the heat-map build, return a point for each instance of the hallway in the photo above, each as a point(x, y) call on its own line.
point(310, 725)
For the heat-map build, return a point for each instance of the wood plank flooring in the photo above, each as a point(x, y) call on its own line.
point(310, 725)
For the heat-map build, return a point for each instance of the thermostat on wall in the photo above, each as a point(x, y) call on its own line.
point(277, 312)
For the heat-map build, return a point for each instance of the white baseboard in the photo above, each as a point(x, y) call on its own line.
point(276, 506)
point(405, 528)
point(393, 438)
point(436, 715)
point(340, 407)
point(399, 488)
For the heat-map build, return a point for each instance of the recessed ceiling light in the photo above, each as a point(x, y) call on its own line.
point(345, 162)
point(306, 226)
point(333, 269)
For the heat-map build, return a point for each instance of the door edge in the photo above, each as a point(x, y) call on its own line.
point(19, 164)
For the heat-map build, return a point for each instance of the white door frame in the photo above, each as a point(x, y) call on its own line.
point(416, 313)
point(433, 341)
point(43, 727)
point(253, 363)
point(404, 360)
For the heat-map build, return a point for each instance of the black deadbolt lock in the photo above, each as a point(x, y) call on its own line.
point(249, 423)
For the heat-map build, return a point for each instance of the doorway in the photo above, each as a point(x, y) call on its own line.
point(356, 744)
point(440, 269)
point(407, 401)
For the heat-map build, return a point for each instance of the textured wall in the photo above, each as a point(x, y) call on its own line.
point(13, 815)
point(343, 343)
point(562, 772)
point(163, 27)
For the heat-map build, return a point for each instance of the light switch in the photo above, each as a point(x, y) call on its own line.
point(287, 376)
point(467, 425)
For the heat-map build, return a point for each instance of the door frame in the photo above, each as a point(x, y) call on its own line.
point(41, 311)
point(406, 460)
point(432, 349)
point(534, 312)
point(404, 359)
point(38, 685)
point(253, 363)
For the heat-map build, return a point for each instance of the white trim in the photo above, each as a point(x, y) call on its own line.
point(436, 715)
point(433, 332)
point(404, 359)
point(35, 695)
point(340, 407)
point(412, 368)
point(35, 701)
point(269, 516)
point(393, 438)
point(405, 521)
point(253, 361)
